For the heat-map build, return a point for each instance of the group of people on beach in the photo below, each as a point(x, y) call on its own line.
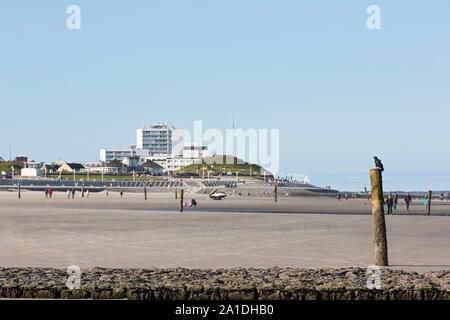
point(346, 195)
point(392, 201)
point(48, 193)
point(447, 195)
point(191, 203)
point(71, 192)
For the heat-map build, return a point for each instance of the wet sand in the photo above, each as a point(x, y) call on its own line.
point(236, 232)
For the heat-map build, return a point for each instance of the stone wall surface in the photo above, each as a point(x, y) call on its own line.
point(236, 283)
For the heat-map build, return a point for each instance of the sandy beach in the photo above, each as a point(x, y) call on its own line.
point(129, 232)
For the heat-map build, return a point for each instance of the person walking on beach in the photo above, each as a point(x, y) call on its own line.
point(87, 194)
point(107, 193)
point(408, 201)
point(73, 193)
point(395, 201)
point(68, 193)
point(121, 194)
point(448, 196)
point(389, 202)
point(193, 203)
point(346, 196)
point(425, 201)
point(338, 196)
point(46, 193)
point(50, 192)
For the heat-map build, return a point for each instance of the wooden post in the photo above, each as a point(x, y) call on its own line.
point(176, 193)
point(145, 190)
point(181, 200)
point(428, 207)
point(18, 190)
point(379, 224)
point(275, 192)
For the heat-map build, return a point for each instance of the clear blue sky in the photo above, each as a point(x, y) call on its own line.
point(338, 92)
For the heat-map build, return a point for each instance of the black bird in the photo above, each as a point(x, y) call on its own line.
point(378, 163)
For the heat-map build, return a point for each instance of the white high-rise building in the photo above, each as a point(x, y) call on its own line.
point(157, 139)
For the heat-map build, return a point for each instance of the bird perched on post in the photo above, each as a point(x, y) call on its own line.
point(378, 163)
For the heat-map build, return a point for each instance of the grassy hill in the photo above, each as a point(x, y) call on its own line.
point(223, 165)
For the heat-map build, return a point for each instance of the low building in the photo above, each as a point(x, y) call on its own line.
point(195, 152)
point(91, 164)
point(49, 168)
point(191, 154)
point(132, 162)
point(177, 163)
point(95, 167)
point(151, 167)
point(170, 163)
point(116, 167)
point(31, 172)
point(110, 154)
point(70, 167)
point(21, 160)
point(99, 170)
